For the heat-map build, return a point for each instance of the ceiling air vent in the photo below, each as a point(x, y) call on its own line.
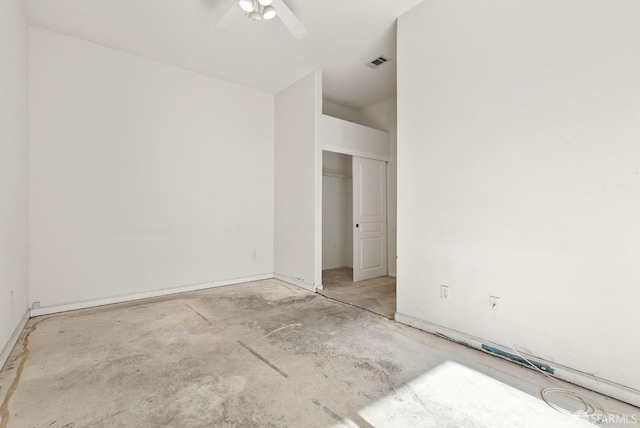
point(377, 62)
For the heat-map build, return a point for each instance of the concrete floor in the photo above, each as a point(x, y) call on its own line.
point(260, 354)
point(377, 295)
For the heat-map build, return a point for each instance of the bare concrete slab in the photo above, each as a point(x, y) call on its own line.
point(377, 295)
point(261, 354)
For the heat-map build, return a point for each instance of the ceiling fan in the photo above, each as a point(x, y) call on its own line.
point(259, 10)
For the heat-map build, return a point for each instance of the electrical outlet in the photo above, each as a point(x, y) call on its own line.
point(255, 255)
point(444, 292)
point(493, 303)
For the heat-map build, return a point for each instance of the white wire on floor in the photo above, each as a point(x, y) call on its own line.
point(592, 409)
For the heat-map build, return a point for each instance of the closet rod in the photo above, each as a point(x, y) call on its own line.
point(330, 174)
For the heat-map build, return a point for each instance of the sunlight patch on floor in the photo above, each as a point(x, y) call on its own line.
point(453, 395)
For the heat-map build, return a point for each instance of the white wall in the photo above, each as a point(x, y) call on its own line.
point(142, 176)
point(337, 211)
point(383, 115)
point(519, 154)
point(341, 136)
point(298, 183)
point(13, 171)
point(342, 112)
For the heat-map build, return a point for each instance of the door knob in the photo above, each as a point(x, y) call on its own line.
point(357, 225)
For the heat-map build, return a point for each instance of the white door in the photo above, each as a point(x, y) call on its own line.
point(369, 218)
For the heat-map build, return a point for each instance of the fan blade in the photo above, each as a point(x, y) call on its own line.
point(223, 22)
point(289, 20)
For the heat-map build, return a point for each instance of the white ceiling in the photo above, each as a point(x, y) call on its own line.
point(343, 36)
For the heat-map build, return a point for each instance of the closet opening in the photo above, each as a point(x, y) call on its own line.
point(354, 249)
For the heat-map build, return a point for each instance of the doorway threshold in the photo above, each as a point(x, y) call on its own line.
point(377, 295)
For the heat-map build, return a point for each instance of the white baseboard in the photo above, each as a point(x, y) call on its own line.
point(602, 386)
point(296, 282)
point(54, 309)
point(4, 356)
